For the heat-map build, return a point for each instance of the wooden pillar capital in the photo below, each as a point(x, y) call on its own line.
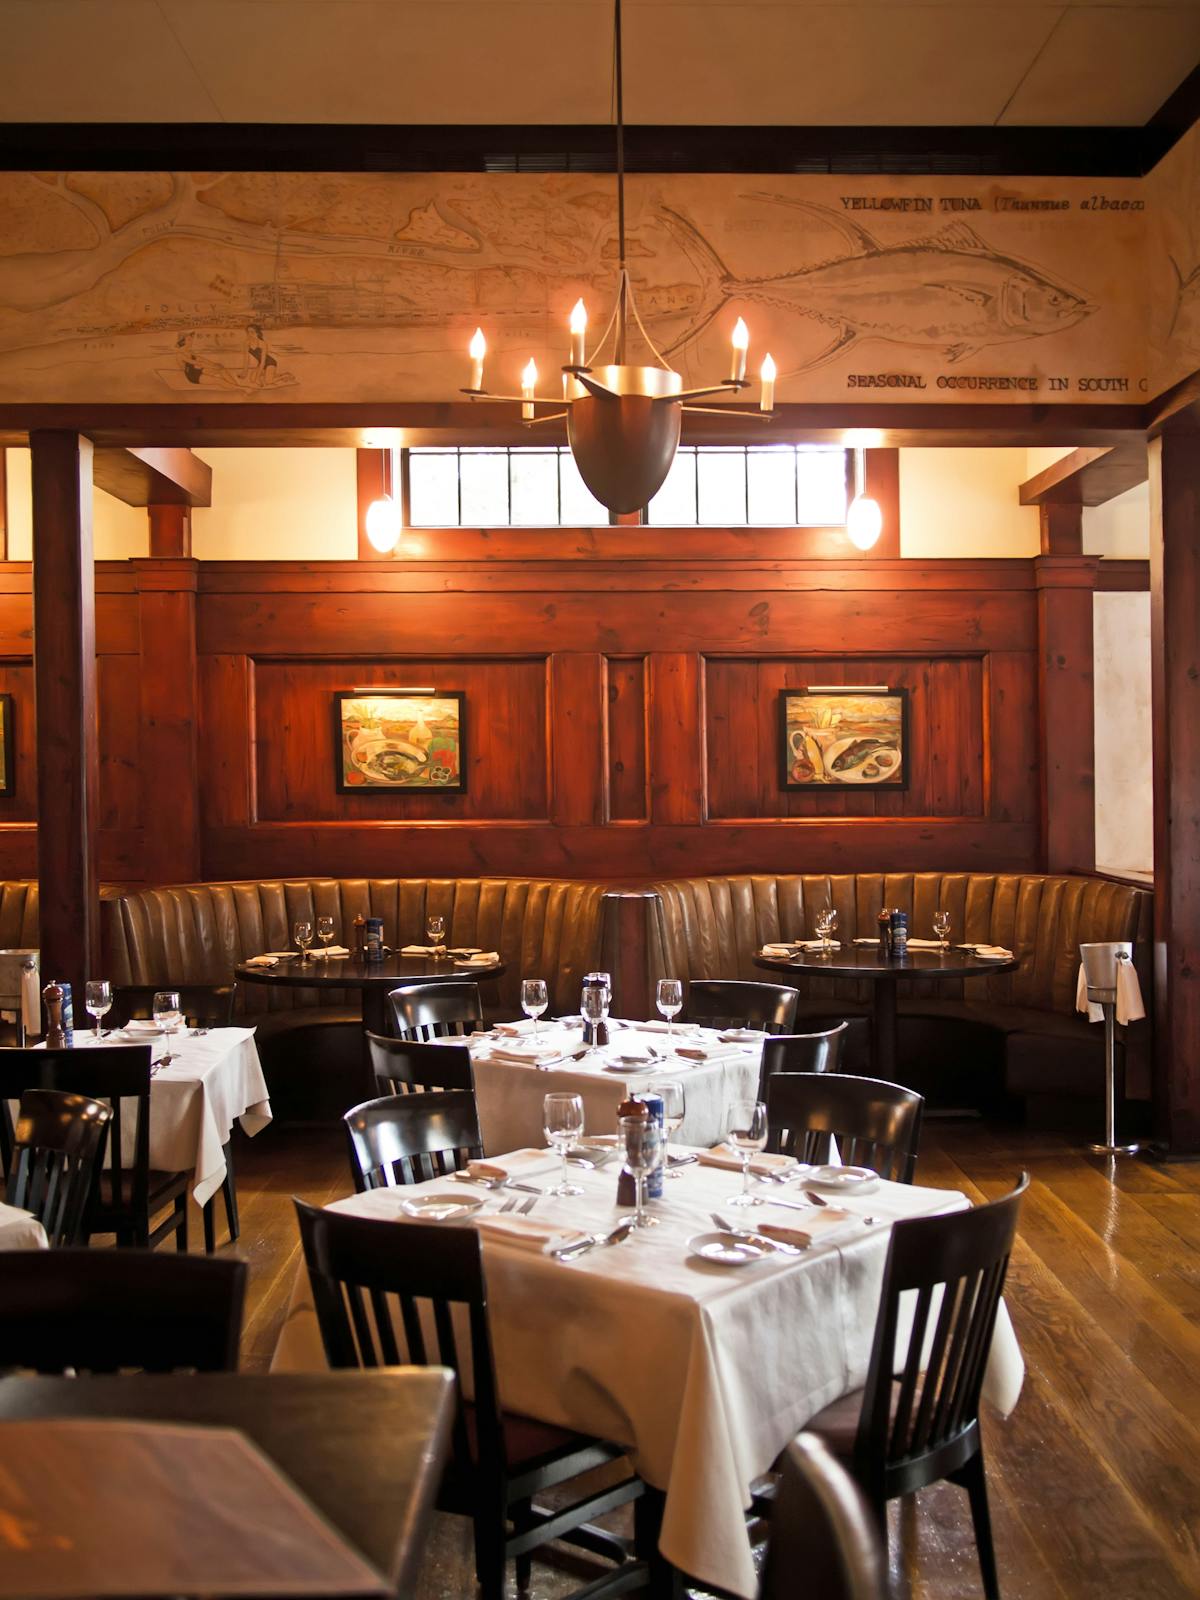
point(1061, 528)
point(170, 530)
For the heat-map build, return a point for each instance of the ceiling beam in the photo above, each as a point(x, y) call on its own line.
point(152, 475)
point(1088, 477)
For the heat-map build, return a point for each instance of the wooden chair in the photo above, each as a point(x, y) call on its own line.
point(916, 1421)
point(107, 1310)
point(422, 1011)
point(408, 1138)
point(499, 1461)
point(728, 1003)
point(204, 1005)
point(824, 1541)
point(59, 1138)
point(801, 1052)
point(876, 1124)
point(124, 1199)
point(402, 1066)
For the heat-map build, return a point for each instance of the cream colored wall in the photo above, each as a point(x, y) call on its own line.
point(279, 505)
point(964, 503)
point(118, 531)
point(1124, 797)
point(1120, 527)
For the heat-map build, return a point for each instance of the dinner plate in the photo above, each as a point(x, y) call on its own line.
point(849, 1180)
point(441, 1207)
point(729, 1249)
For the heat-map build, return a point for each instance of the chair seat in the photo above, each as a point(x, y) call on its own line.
point(163, 1187)
point(837, 1424)
point(528, 1442)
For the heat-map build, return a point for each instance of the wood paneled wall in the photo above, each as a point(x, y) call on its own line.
point(622, 696)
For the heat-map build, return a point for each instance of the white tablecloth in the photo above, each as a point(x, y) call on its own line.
point(509, 1094)
point(706, 1372)
point(195, 1101)
point(20, 1230)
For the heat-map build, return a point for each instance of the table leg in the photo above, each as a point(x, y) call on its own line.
point(663, 1581)
point(885, 1027)
point(374, 1015)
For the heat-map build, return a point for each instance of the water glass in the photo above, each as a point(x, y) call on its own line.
point(669, 1000)
point(97, 1001)
point(534, 1000)
point(673, 1113)
point(169, 1018)
point(747, 1135)
point(641, 1141)
point(302, 935)
point(325, 930)
point(941, 927)
point(596, 999)
point(435, 932)
point(562, 1122)
point(826, 922)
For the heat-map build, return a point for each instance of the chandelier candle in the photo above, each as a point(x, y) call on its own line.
point(477, 349)
point(578, 334)
point(766, 400)
point(741, 343)
point(528, 385)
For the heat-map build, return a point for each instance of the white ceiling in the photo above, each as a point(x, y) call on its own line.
point(968, 62)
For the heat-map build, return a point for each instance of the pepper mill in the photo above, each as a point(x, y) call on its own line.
point(884, 920)
point(358, 938)
point(56, 1035)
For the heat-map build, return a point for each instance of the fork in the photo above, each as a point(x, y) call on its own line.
point(506, 1207)
point(526, 1206)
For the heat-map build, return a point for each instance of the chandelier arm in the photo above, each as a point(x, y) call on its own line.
point(603, 340)
point(729, 386)
point(728, 411)
point(513, 399)
point(654, 350)
point(554, 416)
point(600, 390)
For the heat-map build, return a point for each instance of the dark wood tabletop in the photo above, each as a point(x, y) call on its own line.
point(867, 961)
point(366, 1448)
point(343, 972)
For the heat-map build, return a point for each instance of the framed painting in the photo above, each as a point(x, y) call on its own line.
point(400, 742)
point(8, 771)
point(843, 738)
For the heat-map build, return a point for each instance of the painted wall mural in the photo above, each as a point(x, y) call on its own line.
point(302, 286)
point(1173, 257)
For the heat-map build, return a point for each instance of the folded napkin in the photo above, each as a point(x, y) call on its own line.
point(330, 953)
point(867, 941)
point(271, 958)
point(418, 949)
point(141, 1025)
point(464, 950)
point(822, 1228)
point(780, 950)
point(513, 1030)
point(653, 1025)
point(517, 1164)
point(924, 944)
point(729, 1160)
point(485, 958)
point(527, 1233)
point(1129, 996)
point(990, 952)
point(526, 1056)
point(709, 1052)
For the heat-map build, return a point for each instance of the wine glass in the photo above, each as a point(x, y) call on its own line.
point(97, 1001)
point(673, 1112)
point(941, 927)
point(747, 1135)
point(325, 931)
point(435, 932)
point(169, 1018)
point(669, 1000)
point(562, 1121)
point(642, 1141)
point(534, 999)
point(595, 999)
point(826, 922)
point(302, 934)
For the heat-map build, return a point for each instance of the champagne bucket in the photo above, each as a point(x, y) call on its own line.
point(1100, 968)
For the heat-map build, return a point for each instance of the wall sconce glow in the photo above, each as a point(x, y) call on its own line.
point(864, 522)
point(741, 343)
point(477, 349)
point(383, 525)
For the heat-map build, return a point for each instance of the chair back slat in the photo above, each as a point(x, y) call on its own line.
point(410, 1138)
point(801, 1052)
point(876, 1124)
point(730, 1003)
point(58, 1140)
point(424, 1011)
point(407, 1066)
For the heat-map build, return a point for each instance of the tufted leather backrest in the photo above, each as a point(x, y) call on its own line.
point(19, 914)
point(711, 927)
point(196, 933)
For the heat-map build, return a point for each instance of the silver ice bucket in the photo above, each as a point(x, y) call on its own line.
point(1100, 968)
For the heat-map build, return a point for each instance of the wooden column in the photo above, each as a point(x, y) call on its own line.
point(1061, 528)
point(881, 481)
point(170, 531)
point(169, 760)
point(3, 503)
point(1066, 706)
point(64, 629)
point(1175, 653)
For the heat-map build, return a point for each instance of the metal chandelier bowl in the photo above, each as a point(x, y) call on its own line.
point(624, 432)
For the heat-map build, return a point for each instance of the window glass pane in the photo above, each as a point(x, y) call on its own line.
point(534, 479)
point(484, 488)
point(771, 476)
point(675, 502)
point(580, 508)
point(433, 488)
point(822, 486)
point(721, 487)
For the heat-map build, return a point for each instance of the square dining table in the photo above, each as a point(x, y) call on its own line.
point(704, 1371)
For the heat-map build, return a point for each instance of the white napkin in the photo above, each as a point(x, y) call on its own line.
point(517, 1164)
point(270, 957)
point(330, 953)
point(1129, 996)
point(513, 1030)
point(141, 1025)
point(418, 949)
point(822, 1227)
point(485, 958)
point(867, 941)
point(527, 1056)
point(924, 944)
point(527, 1233)
point(781, 949)
point(709, 1052)
point(990, 952)
point(729, 1160)
point(686, 1030)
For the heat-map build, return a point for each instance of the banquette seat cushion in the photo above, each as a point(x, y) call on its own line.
point(712, 927)
point(18, 914)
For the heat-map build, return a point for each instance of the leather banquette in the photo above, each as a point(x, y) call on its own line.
point(18, 914)
point(1022, 1024)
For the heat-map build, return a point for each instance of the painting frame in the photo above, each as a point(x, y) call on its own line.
point(894, 781)
point(376, 787)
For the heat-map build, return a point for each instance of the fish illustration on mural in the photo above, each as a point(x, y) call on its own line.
point(1185, 320)
point(948, 291)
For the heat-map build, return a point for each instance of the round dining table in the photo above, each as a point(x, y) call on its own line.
point(884, 973)
point(373, 979)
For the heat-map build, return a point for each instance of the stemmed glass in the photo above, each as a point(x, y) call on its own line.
point(669, 1000)
point(302, 934)
point(826, 922)
point(97, 1002)
point(435, 932)
point(169, 1018)
point(596, 998)
point(642, 1141)
point(534, 1000)
point(673, 1113)
point(562, 1121)
point(747, 1135)
point(325, 931)
point(941, 927)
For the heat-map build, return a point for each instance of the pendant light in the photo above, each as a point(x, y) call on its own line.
point(864, 519)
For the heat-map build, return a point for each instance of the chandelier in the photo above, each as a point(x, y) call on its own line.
point(623, 420)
